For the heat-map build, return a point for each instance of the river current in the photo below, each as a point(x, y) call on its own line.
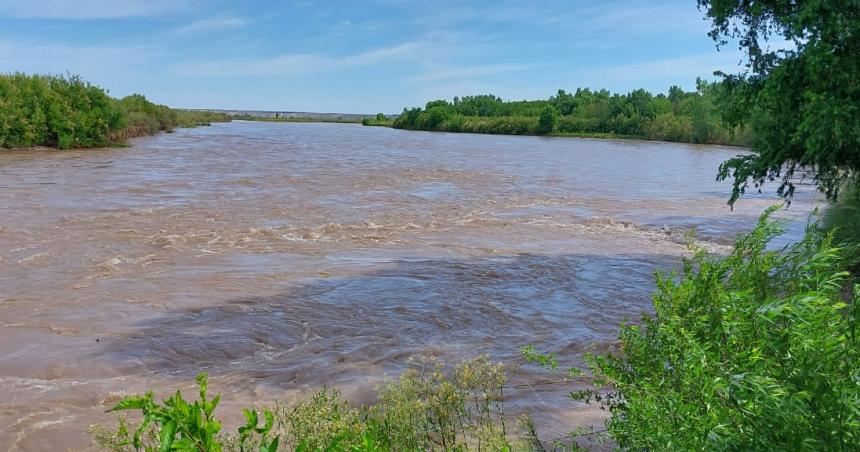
point(282, 257)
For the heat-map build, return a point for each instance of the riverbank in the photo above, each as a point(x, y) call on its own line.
point(67, 112)
point(585, 135)
point(679, 116)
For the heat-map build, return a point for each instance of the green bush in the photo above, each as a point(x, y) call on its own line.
point(177, 425)
point(55, 111)
point(677, 116)
point(379, 120)
point(67, 112)
point(758, 350)
point(670, 127)
point(546, 121)
point(427, 408)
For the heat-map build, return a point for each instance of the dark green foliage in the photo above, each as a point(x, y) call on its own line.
point(66, 112)
point(546, 121)
point(681, 116)
point(803, 102)
point(758, 350)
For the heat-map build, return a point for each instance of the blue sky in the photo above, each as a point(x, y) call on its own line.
point(359, 56)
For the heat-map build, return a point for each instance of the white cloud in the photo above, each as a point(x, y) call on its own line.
point(289, 64)
point(213, 24)
point(459, 72)
point(91, 9)
point(640, 18)
point(60, 58)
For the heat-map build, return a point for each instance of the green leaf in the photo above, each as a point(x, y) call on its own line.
point(132, 403)
point(167, 436)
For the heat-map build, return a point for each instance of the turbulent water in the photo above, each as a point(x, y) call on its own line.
point(283, 257)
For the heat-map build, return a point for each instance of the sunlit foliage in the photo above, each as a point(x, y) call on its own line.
point(758, 350)
point(67, 112)
point(682, 116)
point(427, 408)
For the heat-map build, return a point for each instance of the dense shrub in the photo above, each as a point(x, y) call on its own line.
point(379, 120)
point(425, 409)
point(55, 111)
point(677, 116)
point(671, 127)
point(67, 112)
point(759, 350)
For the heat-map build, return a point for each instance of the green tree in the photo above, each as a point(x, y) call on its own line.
point(546, 121)
point(803, 101)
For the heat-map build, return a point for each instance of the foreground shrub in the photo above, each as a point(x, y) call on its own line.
point(182, 426)
point(425, 409)
point(758, 350)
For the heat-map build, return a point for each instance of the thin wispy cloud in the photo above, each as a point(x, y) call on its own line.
point(643, 18)
point(686, 67)
point(295, 55)
point(91, 9)
point(292, 64)
point(213, 24)
point(460, 72)
point(60, 57)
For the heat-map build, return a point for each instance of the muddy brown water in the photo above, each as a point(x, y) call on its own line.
point(284, 257)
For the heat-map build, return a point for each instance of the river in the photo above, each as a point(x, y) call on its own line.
point(281, 257)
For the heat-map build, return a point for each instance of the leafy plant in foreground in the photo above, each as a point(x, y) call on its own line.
point(427, 408)
point(758, 350)
point(177, 425)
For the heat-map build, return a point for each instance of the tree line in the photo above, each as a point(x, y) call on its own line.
point(68, 112)
point(679, 115)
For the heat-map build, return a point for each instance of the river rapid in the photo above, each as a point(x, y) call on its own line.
point(282, 257)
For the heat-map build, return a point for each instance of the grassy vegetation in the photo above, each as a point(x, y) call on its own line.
point(691, 117)
point(426, 409)
point(67, 112)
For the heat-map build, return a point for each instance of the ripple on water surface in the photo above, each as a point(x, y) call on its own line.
point(280, 257)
